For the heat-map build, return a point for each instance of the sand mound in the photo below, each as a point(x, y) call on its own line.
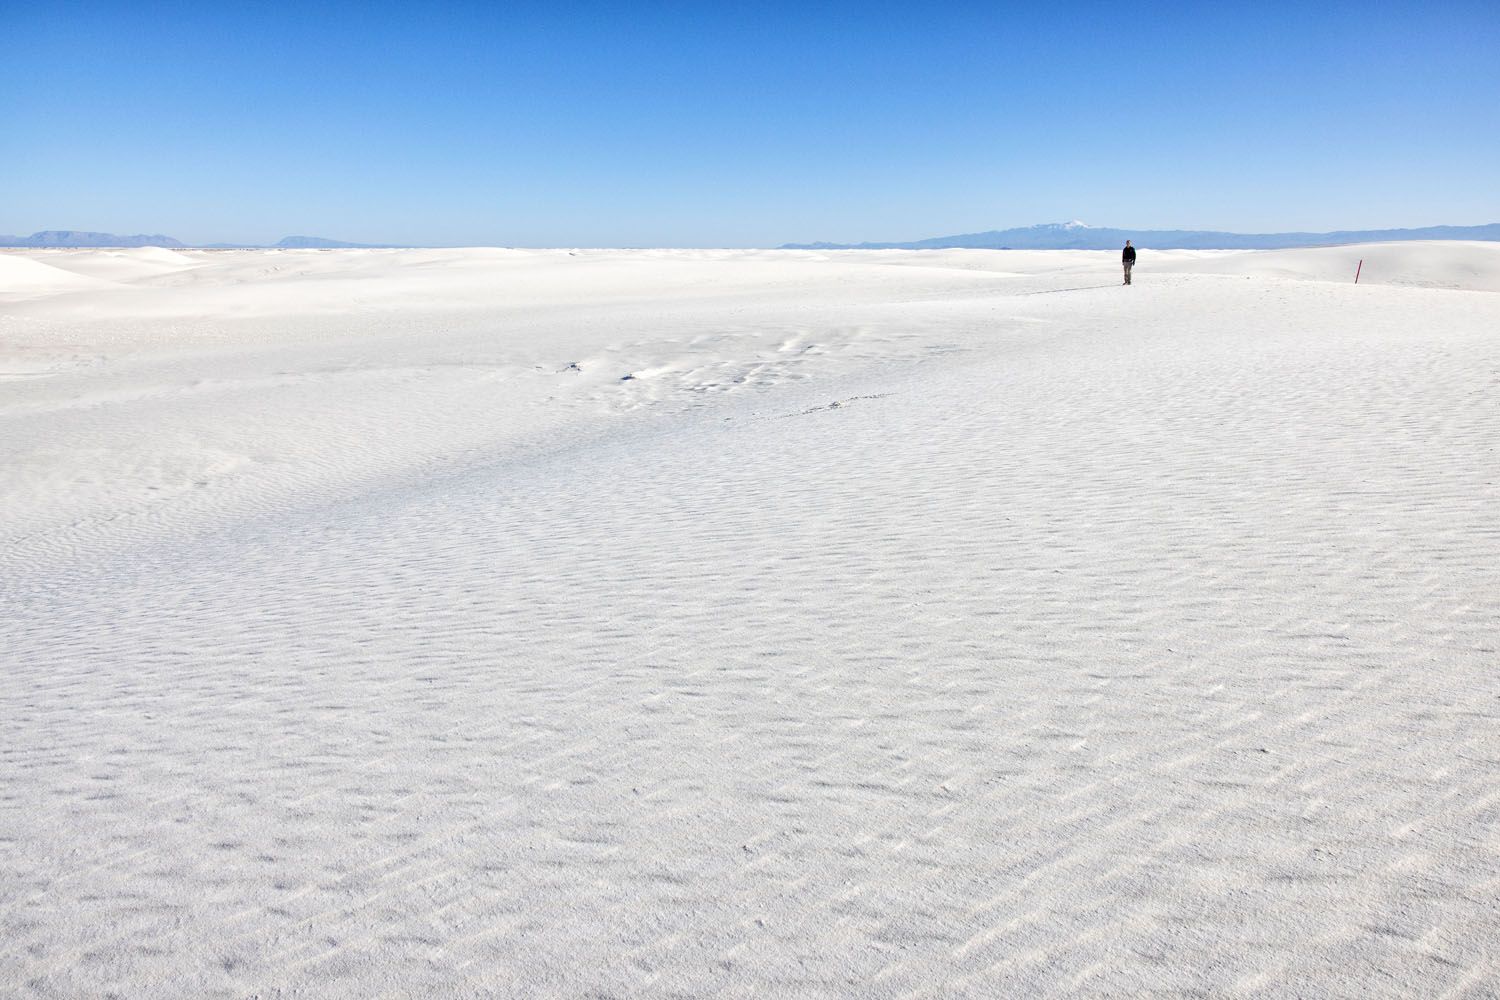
point(1429, 264)
point(124, 266)
point(23, 275)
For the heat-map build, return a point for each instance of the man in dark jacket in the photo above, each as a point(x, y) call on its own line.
point(1128, 259)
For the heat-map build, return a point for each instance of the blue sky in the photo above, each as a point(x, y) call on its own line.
point(556, 124)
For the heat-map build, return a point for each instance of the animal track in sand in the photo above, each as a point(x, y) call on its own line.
point(837, 404)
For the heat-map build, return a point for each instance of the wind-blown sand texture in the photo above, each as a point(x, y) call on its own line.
point(463, 623)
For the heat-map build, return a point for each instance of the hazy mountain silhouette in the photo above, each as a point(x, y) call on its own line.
point(78, 238)
point(1077, 236)
point(322, 243)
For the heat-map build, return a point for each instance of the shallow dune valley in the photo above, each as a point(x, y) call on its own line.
point(506, 623)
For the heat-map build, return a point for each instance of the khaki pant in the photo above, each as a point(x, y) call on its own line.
point(1128, 265)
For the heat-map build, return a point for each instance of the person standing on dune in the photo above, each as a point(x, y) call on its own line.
point(1127, 257)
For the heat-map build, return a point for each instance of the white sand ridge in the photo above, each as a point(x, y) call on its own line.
point(366, 630)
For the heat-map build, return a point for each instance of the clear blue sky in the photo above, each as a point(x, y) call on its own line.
point(745, 124)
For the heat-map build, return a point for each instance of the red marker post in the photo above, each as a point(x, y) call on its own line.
point(1358, 269)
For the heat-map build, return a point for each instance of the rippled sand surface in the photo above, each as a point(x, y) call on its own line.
point(749, 623)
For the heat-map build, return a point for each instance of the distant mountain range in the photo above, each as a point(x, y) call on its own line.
point(321, 243)
point(76, 238)
point(1077, 236)
point(1051, 236)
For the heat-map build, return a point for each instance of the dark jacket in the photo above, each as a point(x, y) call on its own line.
point(1128, 256)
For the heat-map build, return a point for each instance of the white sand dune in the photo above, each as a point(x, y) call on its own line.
point(1458, 265)
point(749, 623)
point(22, 277)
